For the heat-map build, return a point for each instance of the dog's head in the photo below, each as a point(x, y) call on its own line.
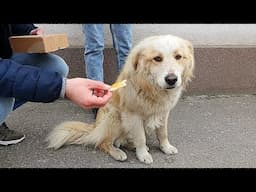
point(165, 61)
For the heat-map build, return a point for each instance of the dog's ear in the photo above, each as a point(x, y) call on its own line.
point(135, 61)
point(189, 66)
point(133, 57)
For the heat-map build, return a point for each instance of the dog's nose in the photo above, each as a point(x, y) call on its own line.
point(171, 79)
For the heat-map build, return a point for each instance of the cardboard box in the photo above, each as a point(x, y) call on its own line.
point(38, 43)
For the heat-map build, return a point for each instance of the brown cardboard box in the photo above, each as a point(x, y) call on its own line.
point(38, 43)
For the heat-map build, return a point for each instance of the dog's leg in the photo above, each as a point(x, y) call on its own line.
point(111, 126)
point(139, 140)
point(124, 142)
point(116, 153)
point(162, 135)
point(137, 133)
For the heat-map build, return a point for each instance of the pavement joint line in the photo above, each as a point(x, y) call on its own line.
point(218, 96)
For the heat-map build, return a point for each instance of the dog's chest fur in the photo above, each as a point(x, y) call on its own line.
point(152, 110)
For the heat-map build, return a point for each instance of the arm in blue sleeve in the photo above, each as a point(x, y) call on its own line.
point(22, 29)
point(29, 83)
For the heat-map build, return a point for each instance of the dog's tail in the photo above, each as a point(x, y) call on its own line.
point(74, 132)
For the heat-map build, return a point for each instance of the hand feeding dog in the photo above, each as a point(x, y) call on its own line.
point(113, 87)
point(157, 70)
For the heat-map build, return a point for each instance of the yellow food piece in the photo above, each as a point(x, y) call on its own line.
point(118, 85)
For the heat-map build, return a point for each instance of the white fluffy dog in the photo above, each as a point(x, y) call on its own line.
point(157, 70)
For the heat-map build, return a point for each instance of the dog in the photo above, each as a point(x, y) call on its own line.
point(157, 71)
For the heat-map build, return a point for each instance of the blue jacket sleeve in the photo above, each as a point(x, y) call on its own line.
point(28, 83)
point(22, 29)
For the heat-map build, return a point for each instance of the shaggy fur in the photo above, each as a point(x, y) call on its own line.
point(157, 70)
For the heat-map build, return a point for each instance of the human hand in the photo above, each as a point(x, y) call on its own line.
point(87, 93)
point(37, 31)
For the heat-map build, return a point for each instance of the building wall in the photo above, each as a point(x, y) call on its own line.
point(199, 34)
point(225, 54)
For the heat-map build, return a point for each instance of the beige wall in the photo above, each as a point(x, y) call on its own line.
point(199, 34)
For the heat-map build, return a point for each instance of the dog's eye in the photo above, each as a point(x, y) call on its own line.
point(158, 58)
point(178, 57)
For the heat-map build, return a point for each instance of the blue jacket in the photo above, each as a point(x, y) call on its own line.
point(24, 82)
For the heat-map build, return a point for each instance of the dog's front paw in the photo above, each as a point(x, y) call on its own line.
point(169, 149)
point(144, 156)
point(118, 154)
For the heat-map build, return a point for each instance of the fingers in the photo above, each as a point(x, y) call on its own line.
point(37, 31)
point(87, 93)
point(100, 89)
point(107, 95)
point(98, 85)
point(99, 92)
point(101, 100)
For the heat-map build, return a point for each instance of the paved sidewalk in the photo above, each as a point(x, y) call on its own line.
point(209, 132)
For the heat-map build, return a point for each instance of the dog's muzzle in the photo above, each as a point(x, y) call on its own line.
point(171, 80)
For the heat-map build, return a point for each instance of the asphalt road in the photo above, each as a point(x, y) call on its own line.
point(209, 132)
